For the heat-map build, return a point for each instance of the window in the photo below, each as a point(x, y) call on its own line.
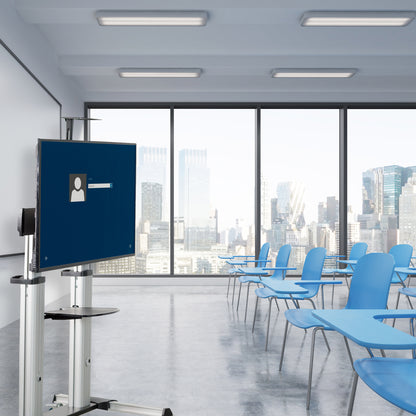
point(382, 178)
point(150, 130)
point(299, 181)
point(214, 188)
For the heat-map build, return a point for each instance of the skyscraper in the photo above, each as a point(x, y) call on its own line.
point(152, 168)
point(152, 197)
point(194, 189)
point(290, 201)
point(407, 210)
point(373, 182)
point(392, 176)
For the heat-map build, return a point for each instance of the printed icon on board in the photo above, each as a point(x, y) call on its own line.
point(77, 187)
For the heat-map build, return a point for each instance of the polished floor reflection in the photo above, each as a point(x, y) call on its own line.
point(187, 348)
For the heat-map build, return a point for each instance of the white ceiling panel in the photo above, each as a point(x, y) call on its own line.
point(237, 49)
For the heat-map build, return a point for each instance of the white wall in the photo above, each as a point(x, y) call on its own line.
point(30, 46)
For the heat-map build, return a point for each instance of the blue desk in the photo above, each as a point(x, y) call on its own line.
point(363, 326)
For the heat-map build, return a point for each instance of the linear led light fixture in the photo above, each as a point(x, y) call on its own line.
point(151, 18)
point(356, 18)
point(312, 73)
point(159, 73)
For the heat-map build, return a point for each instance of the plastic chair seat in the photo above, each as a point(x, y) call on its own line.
point(408, 291)
point(249, 279)
point(302, 318)
point(265, 293)
point(392, 378)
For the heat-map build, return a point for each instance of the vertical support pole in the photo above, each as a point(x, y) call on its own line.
point(80, 342)
point(172, 192)
point(32, 308)
point(257, 198)
point(343, 184)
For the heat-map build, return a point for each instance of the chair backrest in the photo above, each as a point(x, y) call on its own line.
point(402, 254)
point(358, 250)
point(371, 280)
point(282, 260)
point(312, 268)
point(264, 252)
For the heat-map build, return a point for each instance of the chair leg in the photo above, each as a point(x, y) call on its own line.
point(349, 352)
point(308, 396)
point(352, 397)
point(275, 301)
point(397, 306)
point(410, 303)
point(347, 282)
point(326, 340)
point(239, 295)
point(287, 305)
point(255, 313)
point(248, 292)
point(268, 323)
point(333, 290)
point(283, 346)
point(232, 302)
point(383, 354)
point(228, 288)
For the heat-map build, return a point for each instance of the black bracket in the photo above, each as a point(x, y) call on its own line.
point(82, 273)
point(19, 280)
point(102, 404)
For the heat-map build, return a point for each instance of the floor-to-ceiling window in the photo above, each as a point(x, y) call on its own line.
point(299, 180)
point(214, 188)
point(150, 130)
point(382, 177)
point(203, 205)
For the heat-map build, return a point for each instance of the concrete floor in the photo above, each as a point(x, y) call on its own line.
point(186, 348)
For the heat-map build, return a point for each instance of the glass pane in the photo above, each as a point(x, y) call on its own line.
point(300, 181)
point(150, 130)
point(382, 177)
point(214, 188)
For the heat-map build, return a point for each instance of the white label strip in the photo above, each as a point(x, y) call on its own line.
point(99, 185)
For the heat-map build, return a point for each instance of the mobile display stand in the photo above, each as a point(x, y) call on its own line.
point(32, 314)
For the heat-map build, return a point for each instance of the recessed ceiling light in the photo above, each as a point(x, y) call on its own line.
point(312, 73)
point(356, 18)
point(159, 73)
point(151, 18)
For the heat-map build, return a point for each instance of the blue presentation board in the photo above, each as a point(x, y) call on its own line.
point(85, 202)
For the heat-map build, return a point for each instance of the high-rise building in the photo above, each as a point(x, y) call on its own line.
point(194, 198)
point(194, 189)
point(152, 167)
point(373, 191)
point(407, 210)
point(152, 200)
point(290, 202)
point(392, 189)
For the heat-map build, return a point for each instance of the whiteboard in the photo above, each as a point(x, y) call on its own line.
point(27, 112)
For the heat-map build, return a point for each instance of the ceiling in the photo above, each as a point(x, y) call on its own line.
point(237, 49)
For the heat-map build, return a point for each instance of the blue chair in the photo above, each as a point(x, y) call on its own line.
point(279, 273)
point(357, 251)
point(312, 270)
point(391, 378)
point(369, 289)
point(242, 261)
point(402, 254)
